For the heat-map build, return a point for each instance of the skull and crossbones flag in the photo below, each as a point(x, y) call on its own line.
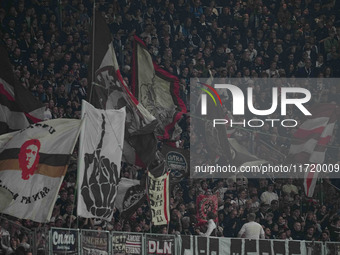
point(33, 163)
point(100, 154)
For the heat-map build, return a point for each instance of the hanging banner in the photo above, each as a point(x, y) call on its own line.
point(94, 242)
point(159, 198)
point(64, 241)
point(160, 244)
point(127, 243)
point(198, 245)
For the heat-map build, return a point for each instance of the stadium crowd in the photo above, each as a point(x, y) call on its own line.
point(49, 48)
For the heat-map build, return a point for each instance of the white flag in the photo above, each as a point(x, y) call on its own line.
point(100, 154)
point(33, 163)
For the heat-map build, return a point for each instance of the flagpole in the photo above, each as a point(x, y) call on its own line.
point(93, 39)
point(83, 116)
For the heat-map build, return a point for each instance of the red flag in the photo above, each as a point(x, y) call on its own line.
point(205, 204)
point(18, 107)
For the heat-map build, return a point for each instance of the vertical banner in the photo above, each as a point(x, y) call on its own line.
point(94, 242)
point(127, 243)
point(159, 198)
point(100, 155)
point(160, 244)
point(205, 204)
point(64, 241)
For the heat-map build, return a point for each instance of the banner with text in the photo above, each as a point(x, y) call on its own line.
point(160, 244)
point(94, 242)
point(177, 162)
point(198, 245)
point(127, 243)
point(159, 198)
point(64, 241)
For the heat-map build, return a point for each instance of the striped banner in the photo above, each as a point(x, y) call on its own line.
point(33, 163)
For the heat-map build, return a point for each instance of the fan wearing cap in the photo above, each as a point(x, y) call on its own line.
point(269, 195)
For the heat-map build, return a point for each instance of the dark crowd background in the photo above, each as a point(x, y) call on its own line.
point(49, 48)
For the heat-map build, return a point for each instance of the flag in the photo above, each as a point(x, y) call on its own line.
point(158, 195)
point(99, 160)
point(177, 162)
point(311, 139)
point(109, 91)
point(18, 107)
point(33, 163)
point(157, 90)
point(130, 196)
point(205, 204)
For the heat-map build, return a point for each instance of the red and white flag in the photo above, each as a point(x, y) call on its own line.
point(311, 140)
point(18, 107)
point(158, 91)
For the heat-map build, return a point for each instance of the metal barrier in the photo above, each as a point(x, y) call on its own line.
point(42, 241)
point(72, 241)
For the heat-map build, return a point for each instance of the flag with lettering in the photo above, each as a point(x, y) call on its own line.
point(177, 161)
point(158, 91)
point(158, 195)
point(99, 161)
point(311, 139)
point(33, 163)
point(18, 107)
point(109, 91)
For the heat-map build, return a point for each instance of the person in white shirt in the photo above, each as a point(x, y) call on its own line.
point(211, 225)
point(251, 230)
point(290, 188)
point(269, 195)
